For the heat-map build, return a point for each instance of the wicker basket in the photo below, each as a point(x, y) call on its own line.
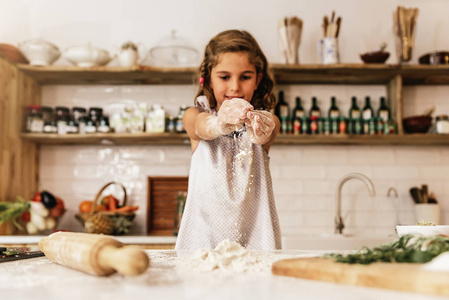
point(123, 217)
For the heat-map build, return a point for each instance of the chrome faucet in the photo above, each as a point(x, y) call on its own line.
point(395, 192)
point(338, 219)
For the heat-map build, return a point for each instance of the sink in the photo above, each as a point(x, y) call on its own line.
point(334, 241)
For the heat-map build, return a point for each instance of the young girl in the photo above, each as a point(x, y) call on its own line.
point(230, 193)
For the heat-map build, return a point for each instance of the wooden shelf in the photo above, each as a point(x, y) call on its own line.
point(284, 74)
point(334, 74)
point(282, 139)
point(109, 75)
point(107, 139)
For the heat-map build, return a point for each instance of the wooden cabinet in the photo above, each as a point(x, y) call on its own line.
point(21, 86)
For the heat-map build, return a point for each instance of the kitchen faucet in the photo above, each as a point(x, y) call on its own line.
point(395, 192)
point(338, 219)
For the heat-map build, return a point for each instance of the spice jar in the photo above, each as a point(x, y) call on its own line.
point(33, 119)
point(95, 114)
point(442, 124)
point(62, 117)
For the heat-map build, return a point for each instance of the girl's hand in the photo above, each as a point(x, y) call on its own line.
point(261, 126)
point(232, 114)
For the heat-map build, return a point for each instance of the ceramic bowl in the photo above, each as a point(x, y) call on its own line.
point(422, 230)
point(87, 56)
point(39, 52)
point(435, 58)
point(12, 54)
point(376, 57)
point(417, 124)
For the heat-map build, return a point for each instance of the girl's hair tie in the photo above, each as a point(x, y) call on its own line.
point(201, 81)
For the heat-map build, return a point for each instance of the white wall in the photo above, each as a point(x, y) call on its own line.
point(304, 177)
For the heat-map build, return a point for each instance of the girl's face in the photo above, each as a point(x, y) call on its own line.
point(234, 77)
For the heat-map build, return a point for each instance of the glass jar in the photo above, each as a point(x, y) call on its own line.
point(33, 119)
point(442, 124)
point(62, 118)
point(78, 112)
point(49, 120)
point(103, 125)
point(95, 114)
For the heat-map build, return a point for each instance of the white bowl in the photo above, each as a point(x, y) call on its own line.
point(87, 56)
point(39, 52)
point(422, 230)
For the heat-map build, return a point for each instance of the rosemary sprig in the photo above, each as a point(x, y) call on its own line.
point(13, 210)
point(407, 249)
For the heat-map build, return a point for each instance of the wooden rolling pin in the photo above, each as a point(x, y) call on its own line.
point(94, 253)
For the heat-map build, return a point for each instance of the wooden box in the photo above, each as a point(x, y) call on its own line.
point(162, 203)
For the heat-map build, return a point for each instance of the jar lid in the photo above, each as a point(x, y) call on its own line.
point(442, 117)
point(80, 109)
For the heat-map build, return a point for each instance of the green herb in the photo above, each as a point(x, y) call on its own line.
point(407, 249)
point(13, 210)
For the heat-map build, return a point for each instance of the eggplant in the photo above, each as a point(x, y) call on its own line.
point(48, 200)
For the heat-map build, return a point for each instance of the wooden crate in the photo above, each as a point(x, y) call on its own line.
point(162, 203)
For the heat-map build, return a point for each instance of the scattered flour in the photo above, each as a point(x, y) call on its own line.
point(228, 256)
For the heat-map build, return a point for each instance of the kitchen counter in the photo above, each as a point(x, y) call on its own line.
point(170, 278)
point(126, 239)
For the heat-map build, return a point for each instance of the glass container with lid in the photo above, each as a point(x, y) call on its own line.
point(173, 51)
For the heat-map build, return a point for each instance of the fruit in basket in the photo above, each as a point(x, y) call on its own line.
point(85, 206)
point(33, 214)
point(99, 223)
point(48, 200)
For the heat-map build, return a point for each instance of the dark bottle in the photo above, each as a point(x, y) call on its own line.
point(282, 111)
point(367, 109)
point(367, 115)
point(384, 111)
point(354, 111)
point(334, 112)
point(315, 109)
point(298, 111)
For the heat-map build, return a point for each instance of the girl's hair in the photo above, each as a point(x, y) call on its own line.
point(237, 41)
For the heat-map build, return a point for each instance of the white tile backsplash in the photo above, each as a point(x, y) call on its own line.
point(305, 178)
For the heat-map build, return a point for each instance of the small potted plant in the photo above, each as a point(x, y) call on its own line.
point(129, 54)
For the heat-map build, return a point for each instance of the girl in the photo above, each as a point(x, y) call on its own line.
point(230, 194)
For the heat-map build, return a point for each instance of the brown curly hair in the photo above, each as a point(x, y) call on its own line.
point(237, 41)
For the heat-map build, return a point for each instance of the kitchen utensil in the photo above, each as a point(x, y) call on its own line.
point(87, 56)
point(22, 253)
point(94, 254)
point(12, 54)
point(435, 58)
point(173, 51)
point(417, 124)
point(407, 277)
point(422, 230)
point(416, 194)
point(424, 193)
point(290, 35)
point(432, 198)
point(404, 27)
point(39, 52)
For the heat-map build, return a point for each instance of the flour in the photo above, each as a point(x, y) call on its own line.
point(227, 257)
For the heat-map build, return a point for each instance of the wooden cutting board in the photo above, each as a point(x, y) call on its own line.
point(395, 276)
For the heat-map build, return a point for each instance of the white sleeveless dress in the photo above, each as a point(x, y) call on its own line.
point(230, 195)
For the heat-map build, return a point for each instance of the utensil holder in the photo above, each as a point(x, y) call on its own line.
point(328, 50)
point(428, 212)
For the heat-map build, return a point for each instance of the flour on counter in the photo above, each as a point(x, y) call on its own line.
point(227, 256)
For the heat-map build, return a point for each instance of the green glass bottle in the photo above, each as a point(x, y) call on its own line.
point(384, 111)
point(315, 109)
point(334, 112)
point(367, 115)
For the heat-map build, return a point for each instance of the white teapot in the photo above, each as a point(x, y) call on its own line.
point(130, 55)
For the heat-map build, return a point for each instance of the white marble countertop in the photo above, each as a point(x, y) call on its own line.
point(126, 239)
point(39, 278)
